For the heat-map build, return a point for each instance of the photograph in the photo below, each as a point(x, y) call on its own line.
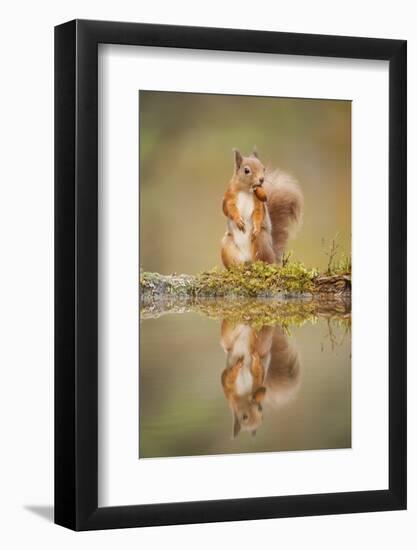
point(188, 195)
point(245, 274)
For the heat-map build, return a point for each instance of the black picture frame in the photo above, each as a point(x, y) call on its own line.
point(76, 273)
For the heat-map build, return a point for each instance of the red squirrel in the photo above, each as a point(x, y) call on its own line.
point(262, 367)
point(262, 209)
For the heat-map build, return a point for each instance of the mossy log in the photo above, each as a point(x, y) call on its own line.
point(258, 280)
point(259, 295)
point(257, 312)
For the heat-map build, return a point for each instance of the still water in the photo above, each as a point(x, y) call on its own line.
point(211, 385)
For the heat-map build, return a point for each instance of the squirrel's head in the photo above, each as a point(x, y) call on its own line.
point(249, 172)
point(247, 413)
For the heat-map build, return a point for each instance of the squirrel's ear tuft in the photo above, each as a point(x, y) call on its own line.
point(238, 159)
point(236, 426)
point(255, 152)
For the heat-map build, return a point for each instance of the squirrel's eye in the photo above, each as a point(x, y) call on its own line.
point(247, 171)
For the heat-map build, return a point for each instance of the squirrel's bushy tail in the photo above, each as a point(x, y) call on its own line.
point(285, 206)
point(283, 376)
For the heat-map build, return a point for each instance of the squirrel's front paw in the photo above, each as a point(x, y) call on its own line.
point(255, 232)
point(240, 224)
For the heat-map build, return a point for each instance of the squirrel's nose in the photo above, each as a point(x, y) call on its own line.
point(261, 180)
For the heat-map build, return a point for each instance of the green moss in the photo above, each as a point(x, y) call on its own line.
point(258, 294)
point(253, 311)
point(343, 266)
point(257, 279)
point(258, 313)
point(293, 280)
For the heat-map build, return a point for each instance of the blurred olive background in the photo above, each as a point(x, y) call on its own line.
point(186, 161)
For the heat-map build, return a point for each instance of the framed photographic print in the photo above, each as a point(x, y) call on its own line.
point(230, 285)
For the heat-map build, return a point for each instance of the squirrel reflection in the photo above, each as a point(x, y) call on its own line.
point(262, 368)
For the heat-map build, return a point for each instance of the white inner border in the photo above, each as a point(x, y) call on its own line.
point(123, 479)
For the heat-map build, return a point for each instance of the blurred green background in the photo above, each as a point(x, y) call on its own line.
point(186, 161)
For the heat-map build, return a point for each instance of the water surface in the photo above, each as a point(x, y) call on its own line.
point(191, 405)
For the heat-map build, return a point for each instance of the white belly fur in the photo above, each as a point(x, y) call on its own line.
point(245, 205)
point(241, 348)
point(244, 382)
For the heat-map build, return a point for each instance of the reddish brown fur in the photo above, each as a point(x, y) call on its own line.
point(285, 206)
point(275, 387)
point(229, 206)
point(230, 374)
point(282, 198)
point(261, 248)
point(229, 252)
